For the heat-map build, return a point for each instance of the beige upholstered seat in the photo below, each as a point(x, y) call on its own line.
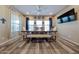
point(39, 36)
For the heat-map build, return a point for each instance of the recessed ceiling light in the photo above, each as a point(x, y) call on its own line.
point(27, 13)
point(50, 13)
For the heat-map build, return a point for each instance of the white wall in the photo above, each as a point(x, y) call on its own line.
point(4, 28)
point(71, 29)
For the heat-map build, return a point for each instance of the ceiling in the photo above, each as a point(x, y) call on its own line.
point(39, 9)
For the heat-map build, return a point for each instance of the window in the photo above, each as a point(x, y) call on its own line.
point(15, 22)
point(46, 25)
point(38, 25)
point(31, 25)
point(68, 16)
point(58, 20)
point(72, 17)
point(65, 19)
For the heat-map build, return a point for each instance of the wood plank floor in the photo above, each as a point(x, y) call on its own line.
point(60, 46)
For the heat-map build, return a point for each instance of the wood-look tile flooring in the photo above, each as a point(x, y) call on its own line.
point(60, 46)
